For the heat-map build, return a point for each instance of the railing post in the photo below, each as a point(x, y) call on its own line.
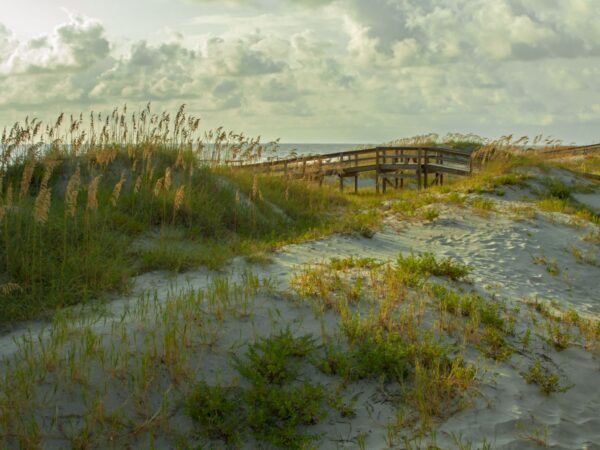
point(425, 162)
point(377, 171)
point(419, 169)
point(356, 176)
point(402, 171)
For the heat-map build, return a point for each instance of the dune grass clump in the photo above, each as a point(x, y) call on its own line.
point(416, 205)
point(431, 376)
point(351, 262)
point(382, 335)
point(215, 410)
point(547, 381)
point(487, 322)
point(421, 266)
point(276, 403)
point(84, 206)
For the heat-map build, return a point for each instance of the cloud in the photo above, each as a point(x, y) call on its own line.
point(7, 43)
point(346, 68)
point(241, 57)
point(75, 45)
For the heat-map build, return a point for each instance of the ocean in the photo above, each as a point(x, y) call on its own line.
point(314, 149)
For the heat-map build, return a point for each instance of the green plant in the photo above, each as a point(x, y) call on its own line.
point(426, 264)
point(352, 262)
point(275, 413)
point(547, 381)
point(364, 224)
point(558, 335)
point(275, 360)
point(431, 214)
point(472, 305)
point(481, 204)
point(82, 215)
point(216, 411)
point(556, 188)
point(494, 345)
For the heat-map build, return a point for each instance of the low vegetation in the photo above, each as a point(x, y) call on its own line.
point(82, 211)
point(547, 381)
point(232, 364)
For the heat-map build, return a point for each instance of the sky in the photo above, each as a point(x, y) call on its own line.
point(363, 71)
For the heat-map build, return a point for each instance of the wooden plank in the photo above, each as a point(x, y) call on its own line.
point(393, 167)
point(401, 176)
point(448, 169)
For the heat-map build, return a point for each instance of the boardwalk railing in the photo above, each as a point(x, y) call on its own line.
point(390, 165)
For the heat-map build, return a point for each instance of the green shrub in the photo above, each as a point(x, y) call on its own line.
point(275, 360)
point(547, 381)
point(217, 412)
point(426, 264)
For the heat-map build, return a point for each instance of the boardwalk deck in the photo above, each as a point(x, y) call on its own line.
point(390, 165)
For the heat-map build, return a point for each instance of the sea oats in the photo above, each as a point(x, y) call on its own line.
point(9, 288)
point(26, 179)
point(41, 206)
point(72, 192)
point(92, 201)
point(179, 160)
point(179, 198)
point(138, 184)
point(167, 179)
point(158, 187)
point(117, 190)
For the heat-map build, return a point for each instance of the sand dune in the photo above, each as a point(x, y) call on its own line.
point(511, 252)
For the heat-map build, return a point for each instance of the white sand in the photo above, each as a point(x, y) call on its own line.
point(508, 412)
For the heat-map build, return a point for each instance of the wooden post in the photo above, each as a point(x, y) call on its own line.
point(402, 171)
point(425, 161)
point(396, 170)
point(356, 176)
point(419, 169)
point(377, 171)
point(341, 183)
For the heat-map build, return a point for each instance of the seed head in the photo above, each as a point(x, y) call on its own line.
point(117, 190)
point(72, 192)
point(92, 201)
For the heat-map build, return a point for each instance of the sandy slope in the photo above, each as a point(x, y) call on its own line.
point(501, 249)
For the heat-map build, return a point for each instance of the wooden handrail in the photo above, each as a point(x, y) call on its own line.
point(349, 153)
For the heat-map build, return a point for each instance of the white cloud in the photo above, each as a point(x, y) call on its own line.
point(77, 44)
point(352, 68)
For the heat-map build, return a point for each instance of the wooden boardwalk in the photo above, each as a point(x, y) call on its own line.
point(391, 166)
